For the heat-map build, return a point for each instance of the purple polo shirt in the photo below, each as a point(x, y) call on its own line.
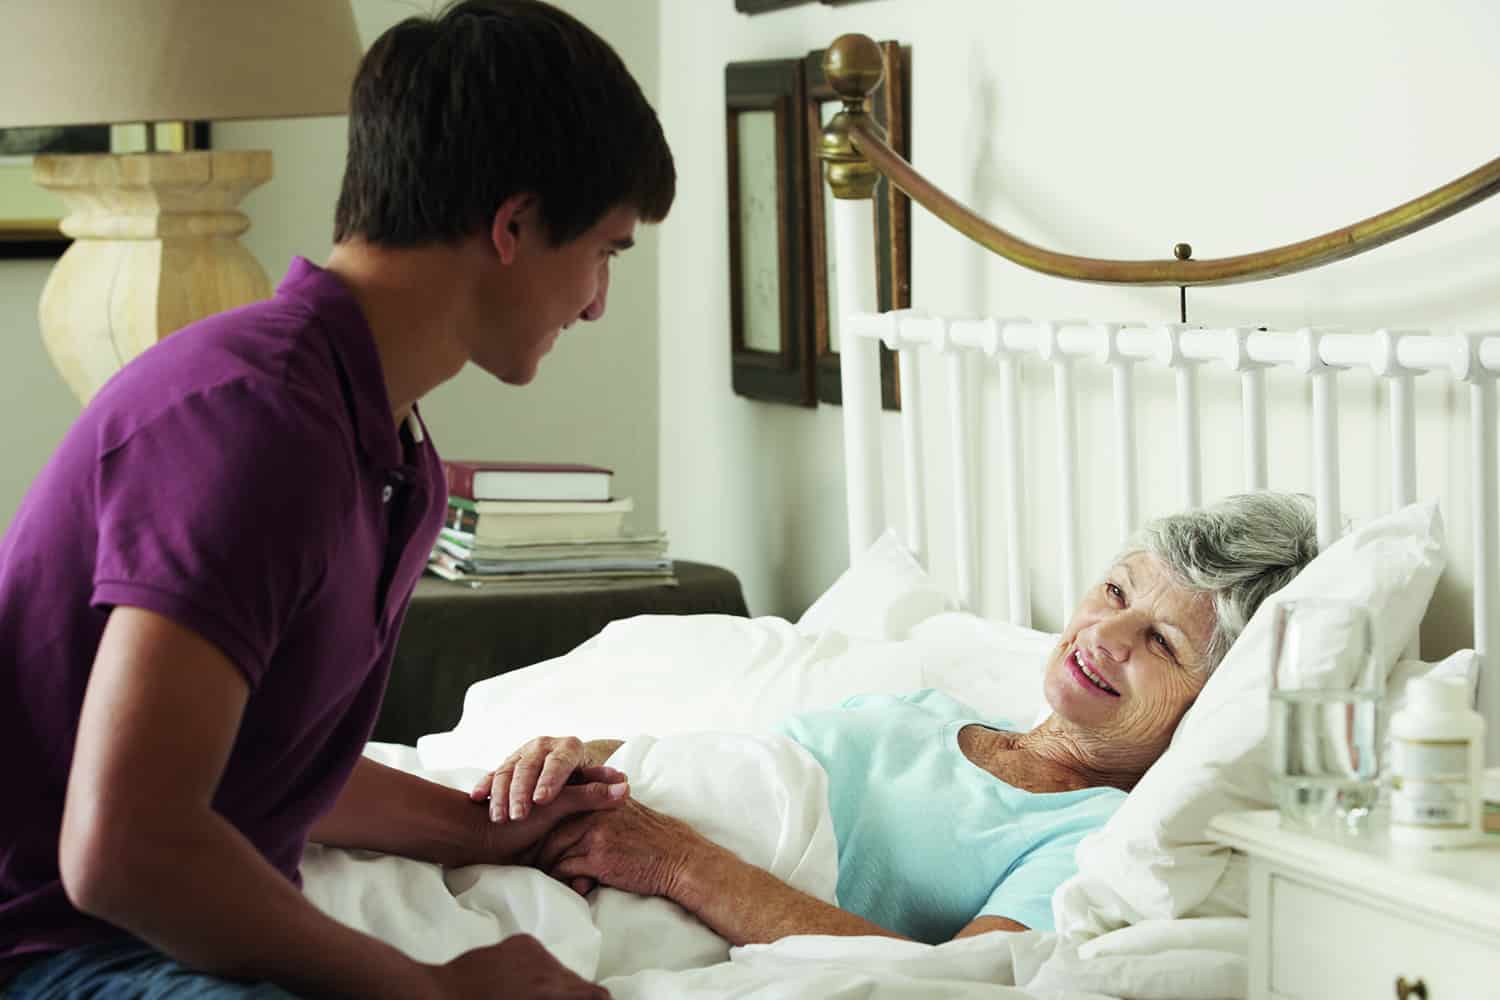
point(244, 477)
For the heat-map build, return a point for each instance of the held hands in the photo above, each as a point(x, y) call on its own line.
point(581, 826)
point(543, 782)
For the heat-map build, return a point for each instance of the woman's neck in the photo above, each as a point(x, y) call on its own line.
point(1053, 757)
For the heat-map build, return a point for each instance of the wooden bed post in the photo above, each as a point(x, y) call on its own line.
point(854, 68)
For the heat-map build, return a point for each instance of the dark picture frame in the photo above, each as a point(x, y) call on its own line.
point(889, 105)
point(766, 141)
point(35, 234)
point(761, 6)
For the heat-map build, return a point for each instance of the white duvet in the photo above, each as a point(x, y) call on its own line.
point(763, 797)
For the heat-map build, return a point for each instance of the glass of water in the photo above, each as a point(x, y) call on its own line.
point(1324, 725)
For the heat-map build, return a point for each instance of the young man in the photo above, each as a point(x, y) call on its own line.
point(200, 595)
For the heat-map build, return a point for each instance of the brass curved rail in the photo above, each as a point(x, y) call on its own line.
point(853, 134)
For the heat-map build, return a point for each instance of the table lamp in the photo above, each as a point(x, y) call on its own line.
point(155, 234)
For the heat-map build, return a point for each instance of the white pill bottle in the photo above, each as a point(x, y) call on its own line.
point(1437, 755)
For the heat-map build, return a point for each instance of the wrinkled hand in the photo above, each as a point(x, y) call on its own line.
point(537, 773)
point(517, 967)
point(633, 847)
point(544, 781)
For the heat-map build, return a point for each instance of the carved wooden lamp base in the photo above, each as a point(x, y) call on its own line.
point(155, 247)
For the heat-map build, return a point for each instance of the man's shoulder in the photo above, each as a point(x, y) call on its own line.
point(242, 435)
point(250, 368)
point(234, 412)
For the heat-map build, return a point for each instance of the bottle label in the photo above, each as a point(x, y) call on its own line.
point(1430, 804)
point(1430, 760)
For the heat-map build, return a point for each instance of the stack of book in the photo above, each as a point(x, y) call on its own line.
point(535, 525)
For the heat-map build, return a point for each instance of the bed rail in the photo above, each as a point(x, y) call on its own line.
point(855, 156)
point(853, 141)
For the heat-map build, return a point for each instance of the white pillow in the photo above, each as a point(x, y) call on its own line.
point(1462, 666)
point(993, 667)
point(1153, 859)
point(882, 595)
point(882, 628)
point(667, 674)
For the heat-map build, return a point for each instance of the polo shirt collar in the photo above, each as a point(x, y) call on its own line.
point(353, 344)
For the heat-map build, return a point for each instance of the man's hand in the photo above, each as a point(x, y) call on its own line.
point(388, 810)
point(514, 843)
point(540, 771)
point(517, 967)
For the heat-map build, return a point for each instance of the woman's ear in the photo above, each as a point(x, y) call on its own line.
point(513, 215)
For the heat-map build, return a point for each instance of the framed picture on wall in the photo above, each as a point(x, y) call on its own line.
point(770, 343)
point(892, 222)
point(760, 6)
point(29, 214)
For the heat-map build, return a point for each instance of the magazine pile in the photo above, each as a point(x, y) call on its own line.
point(539, 525)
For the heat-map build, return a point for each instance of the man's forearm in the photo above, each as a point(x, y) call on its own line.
point(383, 809)
point(386, 810)
point(199, 891)
point(748, 905)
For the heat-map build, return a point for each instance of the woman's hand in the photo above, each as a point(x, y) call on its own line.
point(633, 847)
point(514, 842)
point(536, 774)
point(637, 849)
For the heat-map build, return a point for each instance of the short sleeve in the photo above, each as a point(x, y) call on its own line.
point(1025, 894)
point(217, 512)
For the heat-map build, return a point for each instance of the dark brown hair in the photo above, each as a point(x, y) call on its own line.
point(452, 115)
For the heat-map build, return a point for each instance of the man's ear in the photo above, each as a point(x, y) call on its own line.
point(514, 215)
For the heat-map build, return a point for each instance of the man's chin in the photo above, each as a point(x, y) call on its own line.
point(511, 376)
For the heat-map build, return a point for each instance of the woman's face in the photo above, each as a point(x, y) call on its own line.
point(1131, 661)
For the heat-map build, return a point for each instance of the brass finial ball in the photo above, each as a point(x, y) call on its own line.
point(854, 66)
point(1183, 251)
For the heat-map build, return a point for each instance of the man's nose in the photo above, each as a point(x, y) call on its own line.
point(595, 308)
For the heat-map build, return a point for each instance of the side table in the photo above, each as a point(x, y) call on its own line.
point(455, 635)
point(1335, 916)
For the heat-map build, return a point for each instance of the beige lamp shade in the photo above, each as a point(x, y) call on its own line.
point(155, 235)
point(79, 62)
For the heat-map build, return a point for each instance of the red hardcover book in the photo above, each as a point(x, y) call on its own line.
point(497, 480)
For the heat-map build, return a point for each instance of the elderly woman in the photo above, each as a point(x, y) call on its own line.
point(949, 825)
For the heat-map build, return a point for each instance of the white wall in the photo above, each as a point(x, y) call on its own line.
point(596, 397)
point(1097, 128)
point(1105, 129)
point(36, 406)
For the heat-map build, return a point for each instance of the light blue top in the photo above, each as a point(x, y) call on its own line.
point(927, 839)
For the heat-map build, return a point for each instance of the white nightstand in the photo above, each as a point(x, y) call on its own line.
point(1336, 917)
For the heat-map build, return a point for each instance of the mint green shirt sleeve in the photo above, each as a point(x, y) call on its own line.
point(1025, 893)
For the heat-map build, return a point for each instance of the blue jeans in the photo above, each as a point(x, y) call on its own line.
point(126, 970)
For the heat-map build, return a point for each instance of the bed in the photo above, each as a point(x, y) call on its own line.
point(1157, 908)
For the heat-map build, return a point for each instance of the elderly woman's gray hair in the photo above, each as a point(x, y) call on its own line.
point(1240, 550)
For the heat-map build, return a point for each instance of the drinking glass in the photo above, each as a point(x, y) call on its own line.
point(1325, 704)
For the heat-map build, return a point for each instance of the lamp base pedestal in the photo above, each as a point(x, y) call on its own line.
point(155, 247)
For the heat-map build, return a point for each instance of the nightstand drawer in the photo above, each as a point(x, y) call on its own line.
point(1326, 945)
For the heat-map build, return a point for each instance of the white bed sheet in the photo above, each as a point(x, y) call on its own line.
point(764, 797)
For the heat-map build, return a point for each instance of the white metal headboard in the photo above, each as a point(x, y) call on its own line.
point(1396, 357)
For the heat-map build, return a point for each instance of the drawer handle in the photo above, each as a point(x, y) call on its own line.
point(1410, 991)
